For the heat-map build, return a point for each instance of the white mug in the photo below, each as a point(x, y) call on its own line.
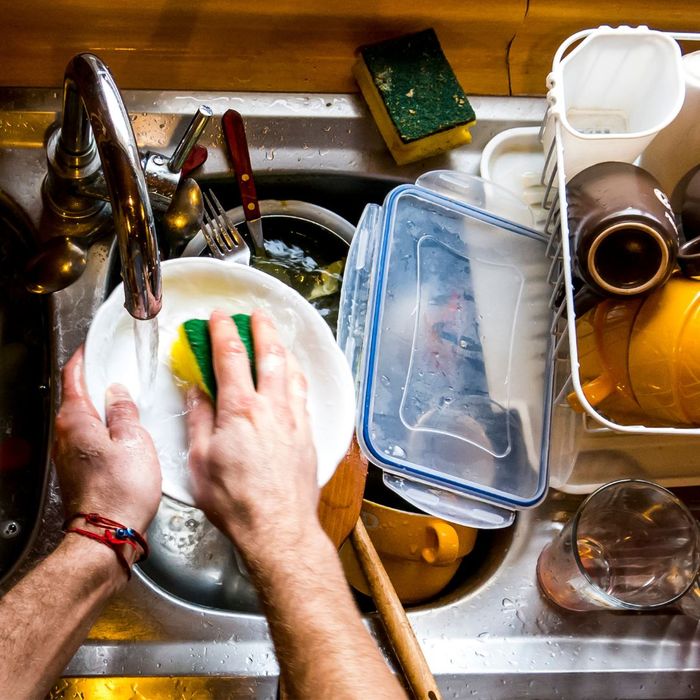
point(676, 150)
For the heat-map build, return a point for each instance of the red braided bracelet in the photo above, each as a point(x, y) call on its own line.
point(115, 535)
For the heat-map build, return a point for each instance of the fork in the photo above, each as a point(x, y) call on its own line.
point(223, 238)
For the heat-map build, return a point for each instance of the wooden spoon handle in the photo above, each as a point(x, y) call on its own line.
point(393, 616)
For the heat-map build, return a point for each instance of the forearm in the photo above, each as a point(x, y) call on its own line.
point(322, 646)
point(45, 617)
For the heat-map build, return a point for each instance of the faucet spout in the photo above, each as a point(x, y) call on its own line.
point(96, 124)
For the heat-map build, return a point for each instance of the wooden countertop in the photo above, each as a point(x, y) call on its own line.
point(498, 48)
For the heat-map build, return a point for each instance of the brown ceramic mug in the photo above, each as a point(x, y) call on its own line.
point(623, 229)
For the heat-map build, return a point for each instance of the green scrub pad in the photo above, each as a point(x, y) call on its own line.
point(414, 96)
point(190, 355)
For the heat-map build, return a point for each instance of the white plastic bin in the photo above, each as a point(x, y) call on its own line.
point(613, 94)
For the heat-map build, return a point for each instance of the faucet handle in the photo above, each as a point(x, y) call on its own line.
point(163, 173)
point(197, 157)
point(190, 138)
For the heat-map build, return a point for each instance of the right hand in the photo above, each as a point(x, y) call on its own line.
point(252, 456)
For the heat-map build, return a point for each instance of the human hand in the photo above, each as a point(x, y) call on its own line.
point(110, 469)
point(252, 456)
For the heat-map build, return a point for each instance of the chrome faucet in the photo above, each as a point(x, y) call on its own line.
point(95, 123)
point(93, 158)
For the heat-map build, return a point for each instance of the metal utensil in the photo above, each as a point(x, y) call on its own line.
point(61, 261)
point(292, 209)
point(190, 138)
point(183, 217)
point(223, 238)
point(234, 133)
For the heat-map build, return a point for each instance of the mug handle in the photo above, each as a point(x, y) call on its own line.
point(595, 390)
point(446, 550)
point(689, 258)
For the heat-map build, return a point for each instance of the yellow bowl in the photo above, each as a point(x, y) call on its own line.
point(420, 553)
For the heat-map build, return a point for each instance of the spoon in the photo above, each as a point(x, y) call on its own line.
point(59, 264)
point(183, 217)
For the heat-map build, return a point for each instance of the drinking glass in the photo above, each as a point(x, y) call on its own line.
point(689, 604)
point(631, 545)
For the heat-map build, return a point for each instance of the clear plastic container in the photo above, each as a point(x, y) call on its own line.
point(444, 320)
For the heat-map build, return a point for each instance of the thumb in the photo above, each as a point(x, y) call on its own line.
point(121, 414)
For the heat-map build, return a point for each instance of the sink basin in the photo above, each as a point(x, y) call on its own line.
point(490, 634)
point(190, 561)
point(25, 370)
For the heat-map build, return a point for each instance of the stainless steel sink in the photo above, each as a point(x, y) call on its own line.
point(491, 635)
point(25, 390)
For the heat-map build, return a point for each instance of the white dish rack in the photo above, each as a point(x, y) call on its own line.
point(589, 449)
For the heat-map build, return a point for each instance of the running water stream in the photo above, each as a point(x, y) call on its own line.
point(146, 340)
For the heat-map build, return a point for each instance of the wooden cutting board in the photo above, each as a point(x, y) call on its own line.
point(341, 498)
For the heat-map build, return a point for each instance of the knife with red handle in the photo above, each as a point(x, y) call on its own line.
point(234, 133)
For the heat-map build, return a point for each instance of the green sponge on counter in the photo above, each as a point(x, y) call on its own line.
point(190, 355)
point(414, 96)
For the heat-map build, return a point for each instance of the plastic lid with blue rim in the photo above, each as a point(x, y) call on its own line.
point(445, 321)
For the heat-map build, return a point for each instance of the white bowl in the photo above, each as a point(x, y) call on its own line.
point(192, 288)
point(510, 155)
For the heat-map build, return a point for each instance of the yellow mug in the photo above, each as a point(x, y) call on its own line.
point(664, 353)
point(603, 338)
point(639, 358)
point(420, 553)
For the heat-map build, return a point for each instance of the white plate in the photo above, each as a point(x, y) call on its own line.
point(192, 288)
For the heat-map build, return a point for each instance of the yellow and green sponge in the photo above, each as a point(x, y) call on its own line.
point(414, 96)
point(190, 355)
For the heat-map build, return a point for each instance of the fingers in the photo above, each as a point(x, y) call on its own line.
point(235, 390)
point(270, 358)
point(121, 414)
point(200, 425)
point(75, 396)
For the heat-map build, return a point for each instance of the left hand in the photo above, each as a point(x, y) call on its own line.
point(110, 469)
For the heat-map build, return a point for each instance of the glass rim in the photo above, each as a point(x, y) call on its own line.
point(618, 603)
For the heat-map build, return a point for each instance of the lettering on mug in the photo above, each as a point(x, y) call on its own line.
point(663, 198)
